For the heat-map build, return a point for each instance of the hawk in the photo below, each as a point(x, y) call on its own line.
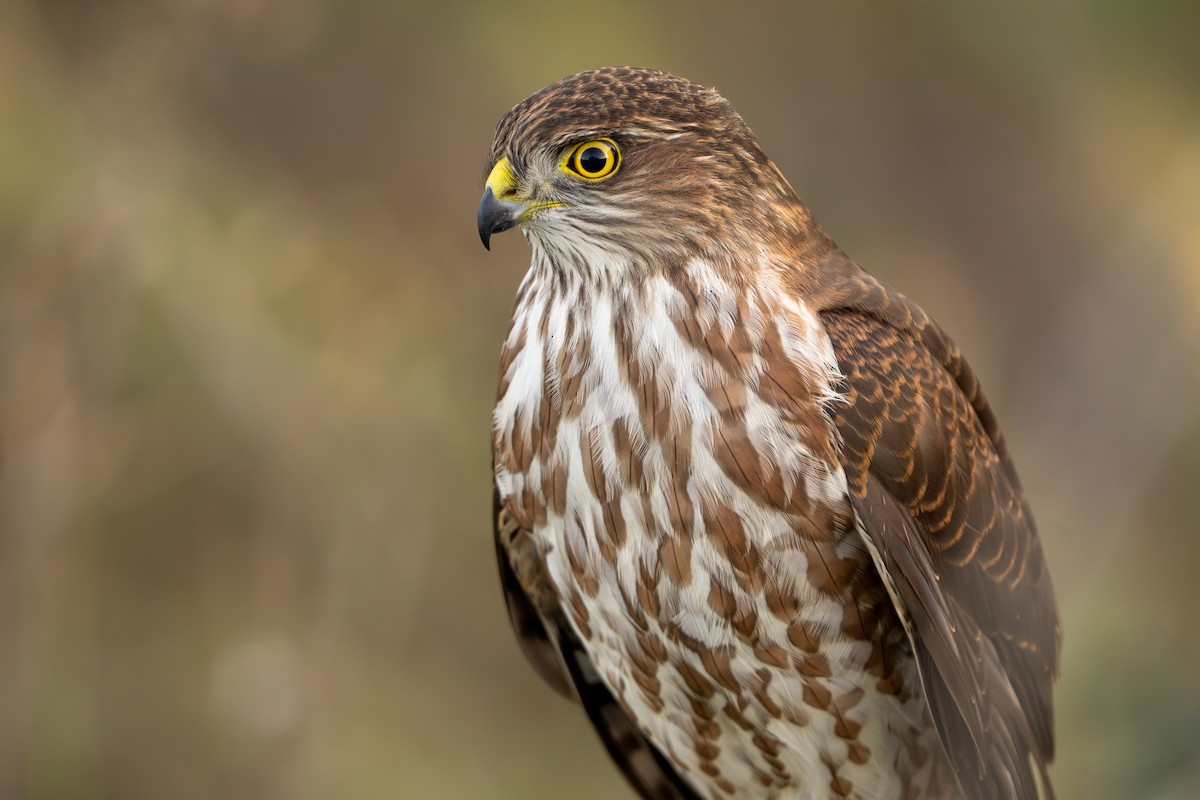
point(752, 509)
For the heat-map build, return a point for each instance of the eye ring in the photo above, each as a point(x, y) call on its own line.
point(594, 160)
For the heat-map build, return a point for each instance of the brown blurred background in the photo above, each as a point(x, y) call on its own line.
point(248, 342)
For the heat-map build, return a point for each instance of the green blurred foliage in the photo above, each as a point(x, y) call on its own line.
point(248, 344)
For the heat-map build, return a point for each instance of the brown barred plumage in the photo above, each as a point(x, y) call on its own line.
point(752, 507)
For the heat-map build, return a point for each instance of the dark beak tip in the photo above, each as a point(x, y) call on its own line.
point(495, 216)
point(486, 219)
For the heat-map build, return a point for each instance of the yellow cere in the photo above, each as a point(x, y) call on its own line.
point(594, 160)
point(502, 180)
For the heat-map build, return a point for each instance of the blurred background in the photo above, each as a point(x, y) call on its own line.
point(248, 348)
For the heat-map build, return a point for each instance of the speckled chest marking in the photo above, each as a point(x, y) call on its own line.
point(666, 443)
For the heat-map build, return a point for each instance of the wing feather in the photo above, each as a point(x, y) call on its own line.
point(938, 498)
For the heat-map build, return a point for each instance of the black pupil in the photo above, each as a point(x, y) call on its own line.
point(593, 160)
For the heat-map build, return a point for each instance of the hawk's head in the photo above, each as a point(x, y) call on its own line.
point(638, 165)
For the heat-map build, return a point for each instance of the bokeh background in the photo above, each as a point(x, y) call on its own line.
point(248, 346)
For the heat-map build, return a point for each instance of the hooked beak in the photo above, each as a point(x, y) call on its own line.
point(497, 211)
point(496, 216)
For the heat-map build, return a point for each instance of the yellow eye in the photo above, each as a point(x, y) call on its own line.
point(595, 160)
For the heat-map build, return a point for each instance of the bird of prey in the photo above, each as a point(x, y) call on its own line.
point(752, 509)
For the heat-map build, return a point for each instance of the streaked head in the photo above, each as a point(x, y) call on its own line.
point(648, 165)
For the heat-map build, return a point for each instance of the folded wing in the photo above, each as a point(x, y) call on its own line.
point(941, 506)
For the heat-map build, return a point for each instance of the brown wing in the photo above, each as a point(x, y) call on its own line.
point(559, 657)
point(941, 504)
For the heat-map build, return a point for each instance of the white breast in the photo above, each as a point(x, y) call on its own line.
point(632, 544)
